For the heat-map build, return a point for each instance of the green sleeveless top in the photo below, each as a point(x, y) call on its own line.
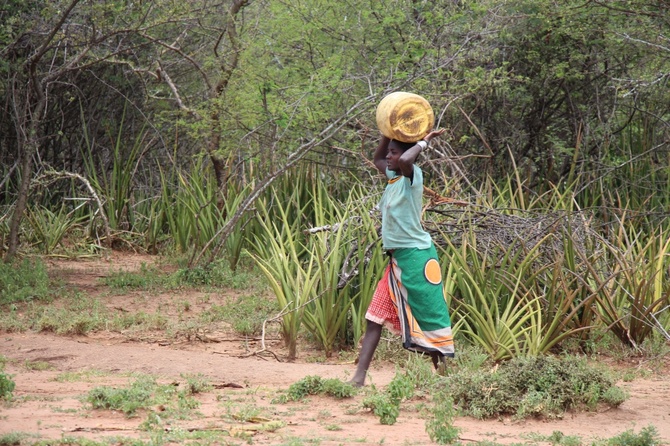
point(401, 212)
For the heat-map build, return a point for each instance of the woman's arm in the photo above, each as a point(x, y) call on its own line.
point(380, 154)
point(406, 161)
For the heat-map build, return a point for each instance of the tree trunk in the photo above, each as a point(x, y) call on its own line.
point(29, 150)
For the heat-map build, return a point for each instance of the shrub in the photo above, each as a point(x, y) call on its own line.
point(7, 386)
point(540, 386)
point(648, 436)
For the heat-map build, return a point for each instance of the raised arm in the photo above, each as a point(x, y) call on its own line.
point(380, 154)
point(406, 161)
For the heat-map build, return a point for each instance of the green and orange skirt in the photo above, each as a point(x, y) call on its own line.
point(410, 301)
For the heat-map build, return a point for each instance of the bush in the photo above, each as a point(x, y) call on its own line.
point(541, 386)
point(7, 386)
point(648, 436)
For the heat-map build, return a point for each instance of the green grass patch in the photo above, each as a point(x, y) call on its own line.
point(218, 274)
point(15, 438)
point(213, 275)
point(23, 281)
point(245, 315)
point(144, 393)
point(147, 278)
point(68, 440)
point(196, 383)
point(140, 320)
point(38, 366)
point(76, 314)
point(73, 314)
point(81, 376)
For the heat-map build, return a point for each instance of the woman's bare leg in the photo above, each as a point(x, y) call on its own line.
point(438, 362)
point(370, 340)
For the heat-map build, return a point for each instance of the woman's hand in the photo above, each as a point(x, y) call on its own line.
point(433, 134)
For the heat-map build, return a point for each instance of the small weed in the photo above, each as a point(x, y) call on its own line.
point(38, 365)
point(558, 438)
point(386, 405)
point(315, 385)
point(245, 413)
point(383, 406)
point(332, 427)
point(629, 376)
point(196, 383)
point(185, 306)
point(440, 426)
point(82, 376)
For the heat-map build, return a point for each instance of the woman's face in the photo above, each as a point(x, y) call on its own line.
point(393, 155)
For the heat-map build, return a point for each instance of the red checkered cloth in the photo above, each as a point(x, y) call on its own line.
point(382, 310)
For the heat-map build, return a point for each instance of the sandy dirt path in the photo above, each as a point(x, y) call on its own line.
point(51, 408)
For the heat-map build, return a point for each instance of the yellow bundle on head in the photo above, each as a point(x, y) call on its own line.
point(405, 117)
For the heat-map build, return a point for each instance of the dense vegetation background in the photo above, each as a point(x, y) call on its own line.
point(198, 125)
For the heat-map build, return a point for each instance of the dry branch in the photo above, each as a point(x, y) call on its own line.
point(511, 229)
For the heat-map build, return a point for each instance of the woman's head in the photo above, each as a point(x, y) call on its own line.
point(395, 150)
point(399, 145)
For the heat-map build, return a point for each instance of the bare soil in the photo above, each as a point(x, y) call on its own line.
point(50, 408)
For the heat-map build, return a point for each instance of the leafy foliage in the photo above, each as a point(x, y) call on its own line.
point(315, 385)
point(386, 404)
point(440, 425)
point(540, 386)
point(7, 386)
point(648, 436)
